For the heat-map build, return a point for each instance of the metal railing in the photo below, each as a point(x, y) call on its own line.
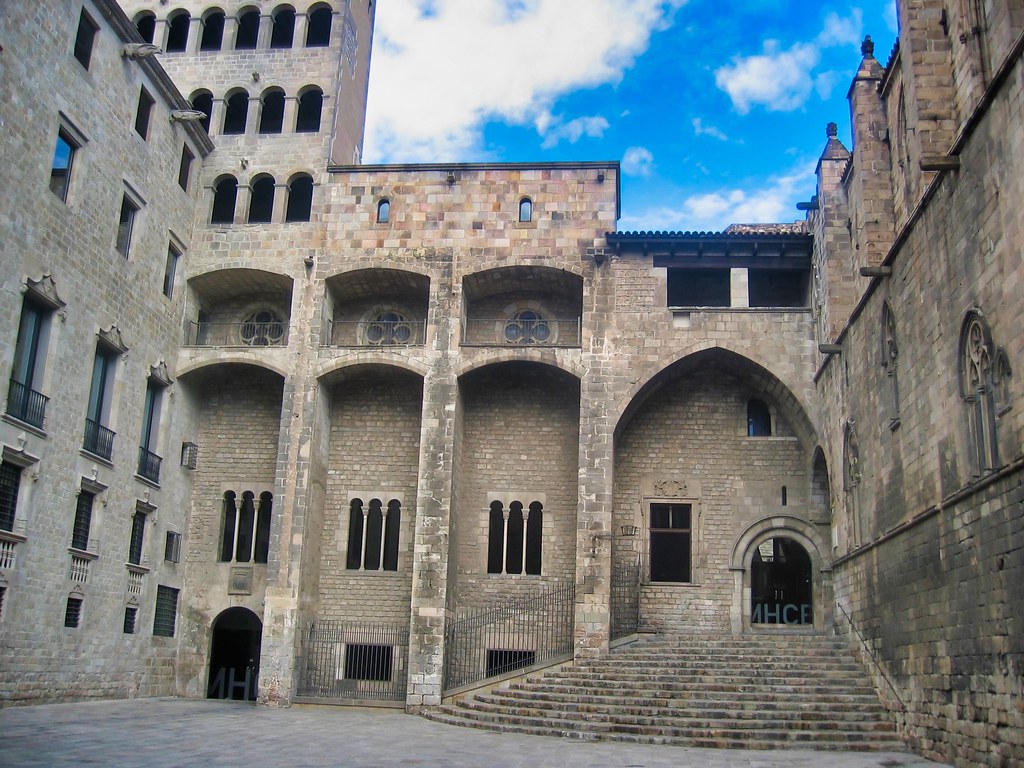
point(525, 631)
point(870, 652)
point(375, 333)
point(235, 334)
point(149, 465)
point(354, 660)
point(99, 440)
point(625, 599)
point(25, 404)
point(495, 332)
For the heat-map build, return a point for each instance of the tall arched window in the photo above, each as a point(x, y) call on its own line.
point(318, 27)
point(225, 194)
point(307, 119)
point(272, 111)
point(213, 31)
point(515, 538)
point(247, 31)
point(525, 209)
point(373, 535)
point(177, 31)
point(384, 211)
point(890, 357)
point(977, 388)
point(261, 200)
point(759, 419)
point(203, 101)
point(145, 23)
point(300, 198)
point(236, 112)
point(284, 27)
point(245, 527)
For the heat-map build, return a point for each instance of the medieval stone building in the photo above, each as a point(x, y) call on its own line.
point(377, 404)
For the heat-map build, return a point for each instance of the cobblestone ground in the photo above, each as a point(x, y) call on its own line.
point(158, 733)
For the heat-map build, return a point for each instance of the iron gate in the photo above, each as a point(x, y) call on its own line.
point(354, 660)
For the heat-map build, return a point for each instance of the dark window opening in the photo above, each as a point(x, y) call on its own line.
point(185, 167)
point(60, 168)
point(138, 534)
point(781, 585)
point(225, 193)
point(759, 419)
point(785, 496)
point(227, 536)
point(777, 287)
point(125, 223)
point(671, 542)
point(85, 39)
point(170, 267)
point(177, 33)
point(307, 119)
point(248, 30)
point(261, 200)
point(73, 612)
point(213, 32)
point(262, 543)
point(383, 212)
point(354, 560)
point(515, 538)
point(203, 102)
point(284, 29)
point(373, 535)
point(501, 661)
point(368, 662)
point(236, 112)
point(525, 209)
point(698, 287)
point(245, 531)
point(83, 521)
point(172, 547)
point(272, 112)
point(145, 24)
point(300, 199)
point(10, 484)
point(166, 612)
point(130, 614)
point(318, 29)
point(144, 113)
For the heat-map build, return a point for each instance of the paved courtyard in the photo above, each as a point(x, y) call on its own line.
point(158, 733)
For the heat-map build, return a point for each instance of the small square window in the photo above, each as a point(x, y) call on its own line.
point(63, 160)
point(172, 547)
point(130, 614)
point(185, 167)
point(166, 611)
point(173, 254)
point(143, 113)
point(85, 39)
point(73, 612)
point(124, 225)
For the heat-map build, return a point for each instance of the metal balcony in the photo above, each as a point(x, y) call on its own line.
point(149, 465)
point(99, 440)
point(25, 404)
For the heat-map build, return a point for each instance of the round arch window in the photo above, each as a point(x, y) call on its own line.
point(262, 328)
point(527, 326)
point(388, 328)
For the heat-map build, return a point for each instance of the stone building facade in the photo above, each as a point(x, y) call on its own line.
point(392, 400)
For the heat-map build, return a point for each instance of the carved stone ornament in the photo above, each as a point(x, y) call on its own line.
point(44, 290)
point(670, 489)
point(112, 338)
point(160, 374)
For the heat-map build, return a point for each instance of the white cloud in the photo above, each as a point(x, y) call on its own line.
point(637, 161)
point(707, 130)
point(782, 80)
point(444, 68)
point(554, 130)
point(714, 211)
point(890, 18)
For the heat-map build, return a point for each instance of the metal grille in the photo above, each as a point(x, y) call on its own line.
point(625, 599)
point(83, 521)
point(354, 660)
point(10, 482)
point(138, 533)
point(524, 631)
point(130, 613)
point(520, 331)
point(25, 404)
point(99, 440)
point(73, 612)
point(149, 465)
point(166, 611)
point(249, 333)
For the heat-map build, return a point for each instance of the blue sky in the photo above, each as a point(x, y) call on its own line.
point(716, 110)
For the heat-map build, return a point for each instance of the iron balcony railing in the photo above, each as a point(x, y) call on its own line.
point(375, 333)
point(25, 404)
point(524, 632)
point(99, 440)
point(244, 334)
point(354, 660)
point(625, 598)
point(149, 465)
point(480, 332)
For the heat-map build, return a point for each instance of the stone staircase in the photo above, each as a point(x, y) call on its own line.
point(751, 692)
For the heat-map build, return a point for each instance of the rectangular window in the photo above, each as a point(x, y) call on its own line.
point(24, 401)
point(83, 520)
point(166, 611)
point(85, 38)
point(137, 537)
point(500, 661)
point(99, 440)
point(778, 287)
point(63, 161)
point(143, 113)
point(173, 254)
point(125, 222)
point(671, 542)
point(73, 612)
point(699, 287)
point(149, 462)
point(368, 662)
point(172, 547)
point(130, 613)
point(185, 167)
point(10, 484)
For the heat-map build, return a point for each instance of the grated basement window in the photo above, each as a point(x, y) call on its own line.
point(130, 613)
point(73, 612)
point(368, 662)
point(166, 611)
point(500, 661)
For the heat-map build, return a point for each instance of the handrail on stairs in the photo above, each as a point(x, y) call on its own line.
point(874, 659)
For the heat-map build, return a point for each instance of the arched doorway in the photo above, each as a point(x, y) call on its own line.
point(781, 584)
point(235, 655)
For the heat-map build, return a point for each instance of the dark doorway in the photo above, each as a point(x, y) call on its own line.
point(235, 655)
point(781, 588)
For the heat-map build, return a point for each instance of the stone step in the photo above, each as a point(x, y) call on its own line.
point(788, 682)
point(677, 689)
point(698, 665)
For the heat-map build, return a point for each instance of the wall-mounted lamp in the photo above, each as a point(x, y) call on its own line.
point(600, 177)
point(451, 178)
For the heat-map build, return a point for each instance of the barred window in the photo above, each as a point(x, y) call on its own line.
point(73, 612)
point(83, 520)
point(166, 611)
point(137, 536)
point(10, 483)
point(130, 613)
